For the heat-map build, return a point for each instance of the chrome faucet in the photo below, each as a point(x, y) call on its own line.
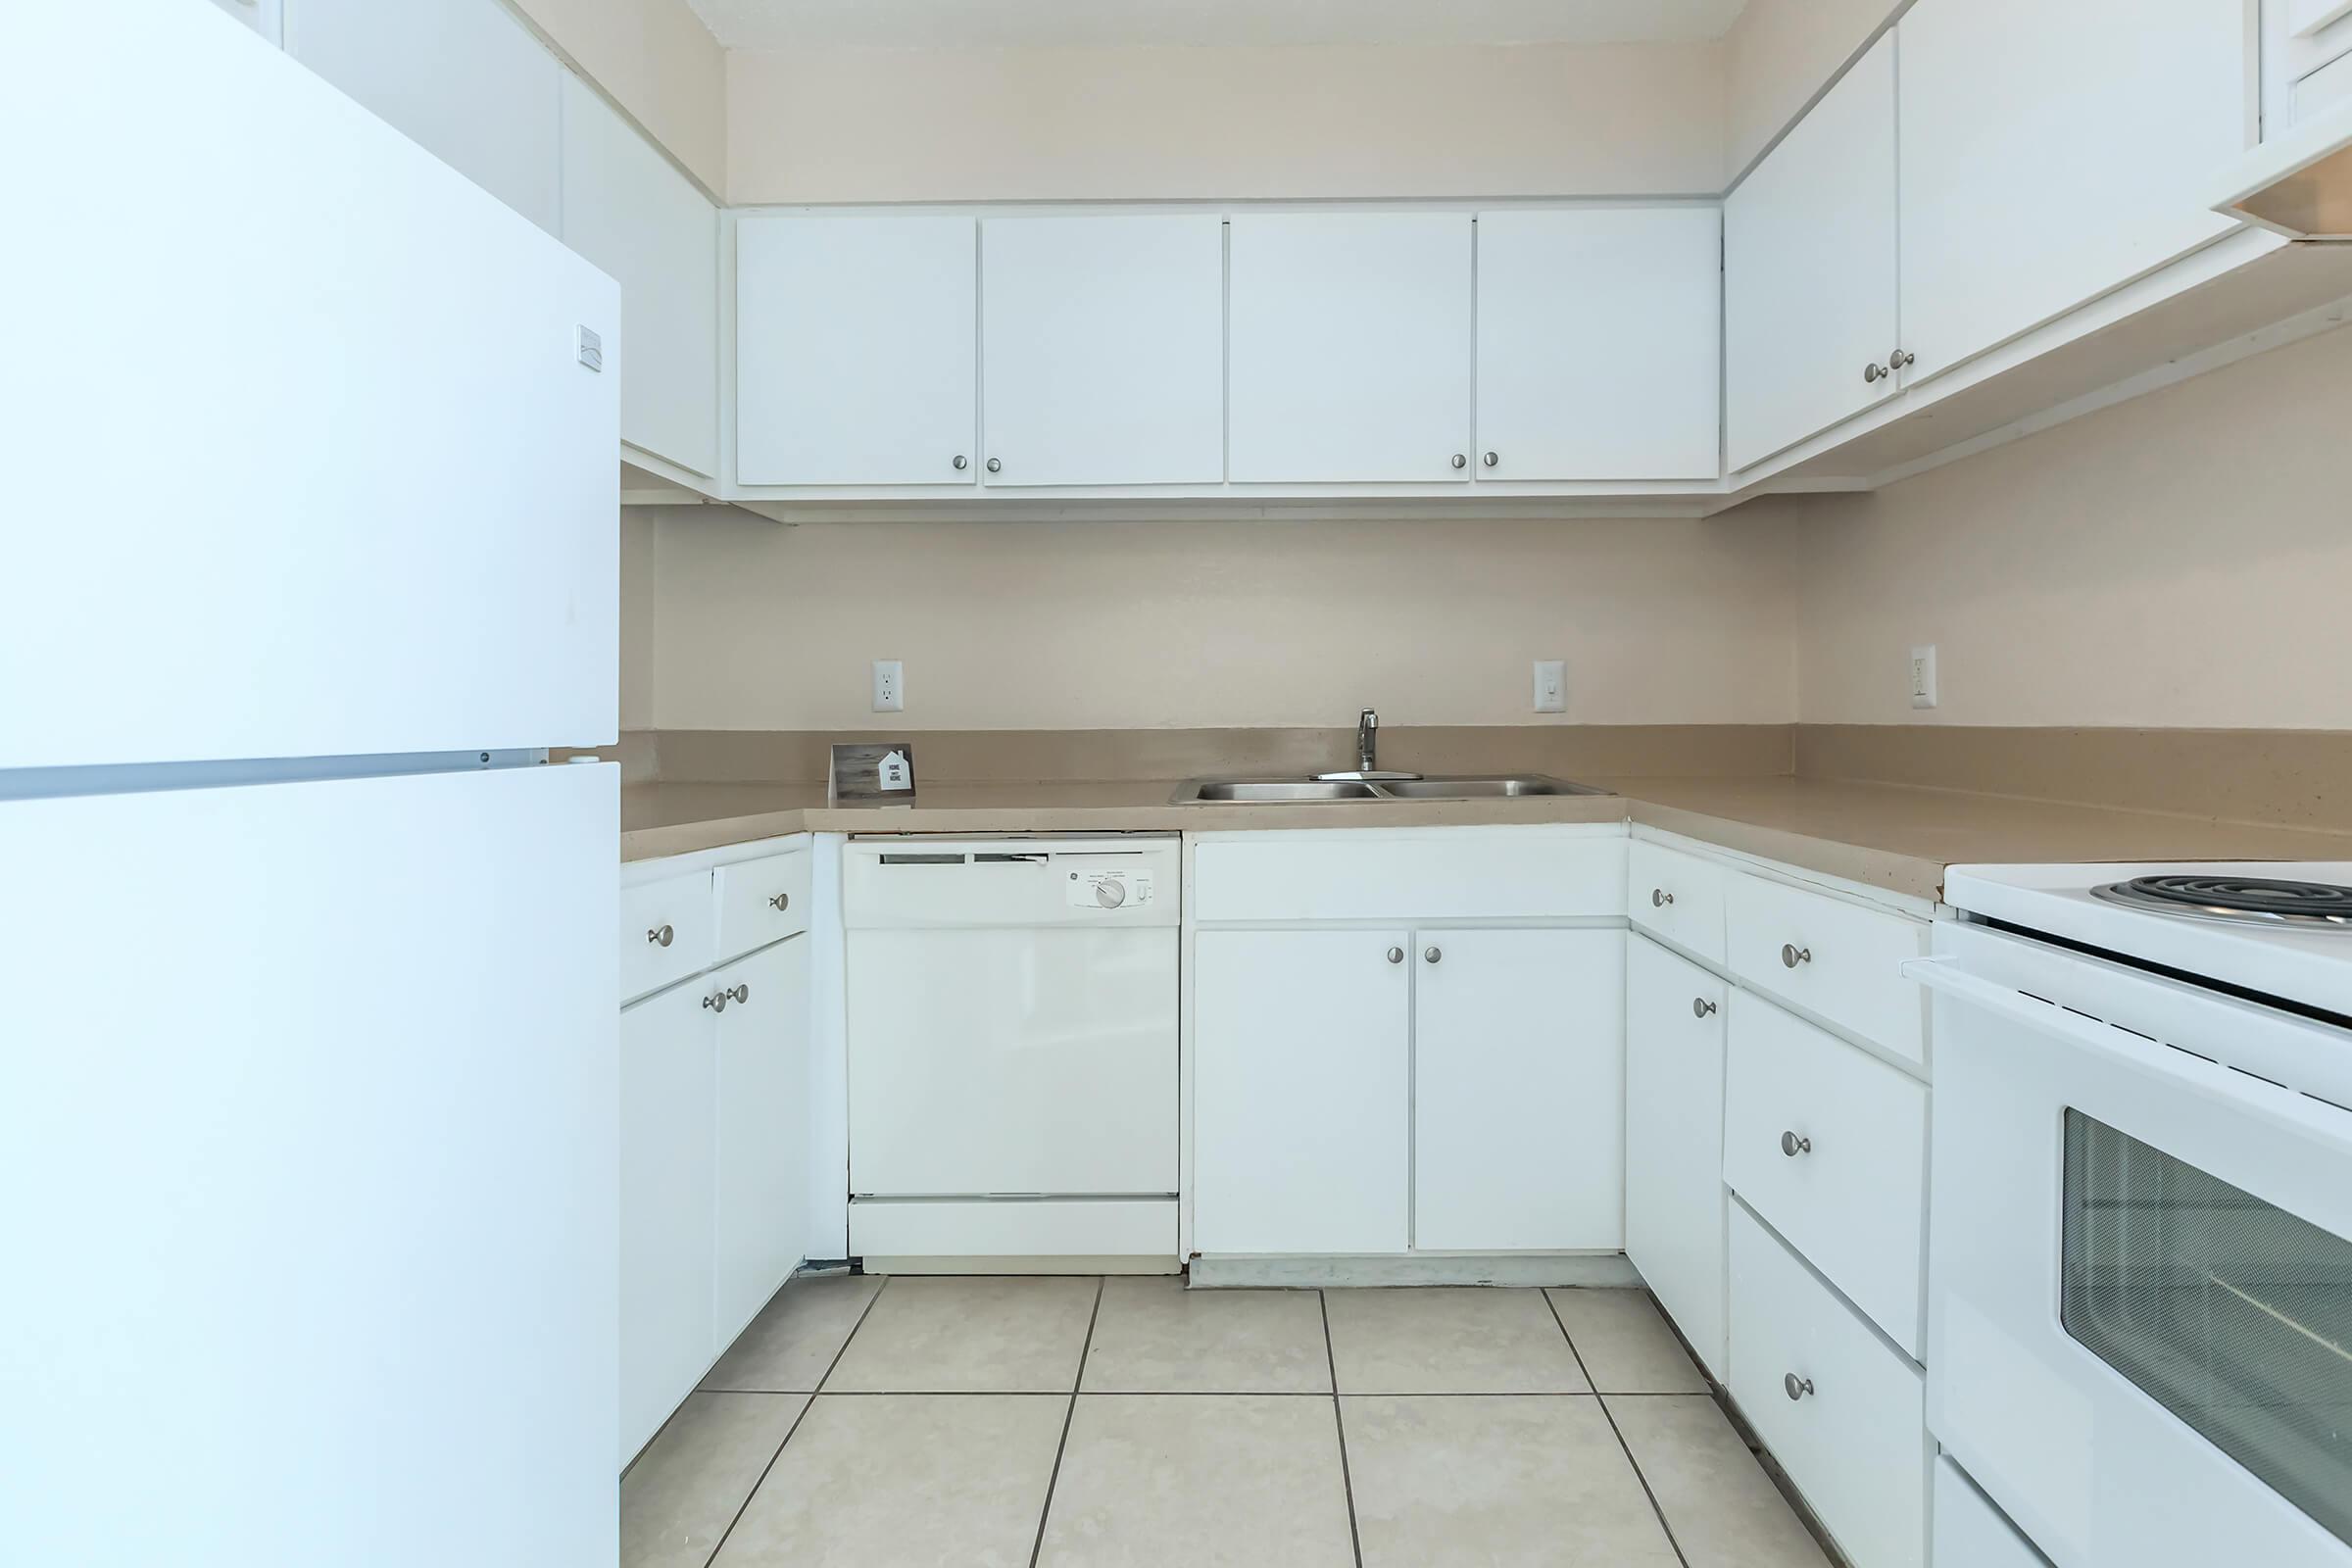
point(1367, 752)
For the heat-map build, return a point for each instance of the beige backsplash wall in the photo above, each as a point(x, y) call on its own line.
point(1085, 625)
point(2181, 561)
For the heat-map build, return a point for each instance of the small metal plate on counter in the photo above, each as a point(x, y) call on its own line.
point(877, 774)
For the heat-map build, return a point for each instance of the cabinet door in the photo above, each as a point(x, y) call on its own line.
point(1674, 1193)
point(1350, 347)
point(461, 79)
point(854, 350)
point(1300, 1113)
point(761, 1140)
point(1809, 270)
point(2053, 152)
point(668, 1080)
point(1105, 350)
point(1519, 1089)
point(646, 225)
point(1599, 344)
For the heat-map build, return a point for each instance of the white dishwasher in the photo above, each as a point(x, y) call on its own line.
point(1012, 1048)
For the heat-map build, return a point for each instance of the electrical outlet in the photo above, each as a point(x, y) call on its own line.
point(1922, 676)
point(1551, 686)
point(889, 686)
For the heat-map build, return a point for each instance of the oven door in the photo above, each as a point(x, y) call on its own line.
point(2139, 1334)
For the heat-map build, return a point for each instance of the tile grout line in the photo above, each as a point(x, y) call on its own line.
point(1067, 1416)
point(742, 1507)
point(1338, 1421)
point(1610, 1417)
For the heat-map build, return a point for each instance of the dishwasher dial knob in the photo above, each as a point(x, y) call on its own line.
point(1110, 895)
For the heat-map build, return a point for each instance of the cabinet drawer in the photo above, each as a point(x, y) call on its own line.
point(1850, 1197)
point(1678, 895)
point(1854, 1438)
point(760, 901)
point(1449, 875)
point(665, 932)
point(1969, 1531)
point(1840, 962)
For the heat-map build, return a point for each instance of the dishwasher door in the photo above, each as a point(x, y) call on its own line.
point(1011, 1032)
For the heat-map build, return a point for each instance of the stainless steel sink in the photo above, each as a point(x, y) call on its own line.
point(1262, 791)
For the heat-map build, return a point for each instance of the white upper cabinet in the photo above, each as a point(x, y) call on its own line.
point(1599, 344)
point(855, 344)
point(1809, 271)
point(461, 79)
point(626, 210)
point(1350, 347)
point(2052, 153)
point(1105, 349)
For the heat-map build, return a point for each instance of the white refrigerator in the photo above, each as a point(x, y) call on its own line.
point(308, 553)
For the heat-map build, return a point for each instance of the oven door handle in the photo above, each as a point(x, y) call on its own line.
point(2284, 1108)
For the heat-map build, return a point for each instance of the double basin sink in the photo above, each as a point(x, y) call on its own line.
point(1273, 791)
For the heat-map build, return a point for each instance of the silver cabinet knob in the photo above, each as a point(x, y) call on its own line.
point(1793, 1146)
point(1794, 1386)
point(1791, 954)
point(1874, 373)
point(660, 936)
point(1898, 360)
point(996, 466)
point(1700, 1007)
point(782, 901)
point(1396, 954)
point(718, 1002)
point(1493, 458)
point(1433, 954)
point(1460, 461)
point(1659, 897)
point(961, 463)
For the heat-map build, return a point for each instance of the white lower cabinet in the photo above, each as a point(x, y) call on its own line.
point(714, 1129)
point(1301, 1112)
point(1843, 1411)
point(1674, 1194)
point(1970, 1532)
point(669, 1078)
point(1518, 1090)
point(759, 1199)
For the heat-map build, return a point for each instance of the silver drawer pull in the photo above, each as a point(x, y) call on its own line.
point(782, 901)
point(1659, 897)
point(1396, 954)
point(1433, 955)
point(659, 935)
point(1794, 1386)
point(1791, 954)
point(1793, 1146)
point(1700, 1007)
point(719, 1004)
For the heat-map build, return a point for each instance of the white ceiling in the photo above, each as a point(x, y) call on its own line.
point(1029, 23)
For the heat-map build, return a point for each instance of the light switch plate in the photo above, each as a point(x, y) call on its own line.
point(1551, 686)
point(1922, 676)
point(889, 686)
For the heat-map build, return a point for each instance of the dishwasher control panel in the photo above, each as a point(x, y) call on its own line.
point(1106, 888)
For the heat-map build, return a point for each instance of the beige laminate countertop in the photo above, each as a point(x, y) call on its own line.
point(1894, 837)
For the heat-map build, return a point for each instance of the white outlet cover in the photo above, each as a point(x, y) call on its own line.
point(1551, 686)
point(1922, 676)
point(889, 686)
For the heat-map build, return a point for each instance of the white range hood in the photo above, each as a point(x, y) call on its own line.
point(2299, 186)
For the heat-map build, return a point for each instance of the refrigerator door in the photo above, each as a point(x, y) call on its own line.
point(302, 457)
point(308, 1127)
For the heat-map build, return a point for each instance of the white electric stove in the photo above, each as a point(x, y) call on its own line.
point(2140, 1264)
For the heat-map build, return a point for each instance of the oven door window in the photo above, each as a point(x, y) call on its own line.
point(2229, 1311)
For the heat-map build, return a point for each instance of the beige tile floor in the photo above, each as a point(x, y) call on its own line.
point(1070, 1423)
